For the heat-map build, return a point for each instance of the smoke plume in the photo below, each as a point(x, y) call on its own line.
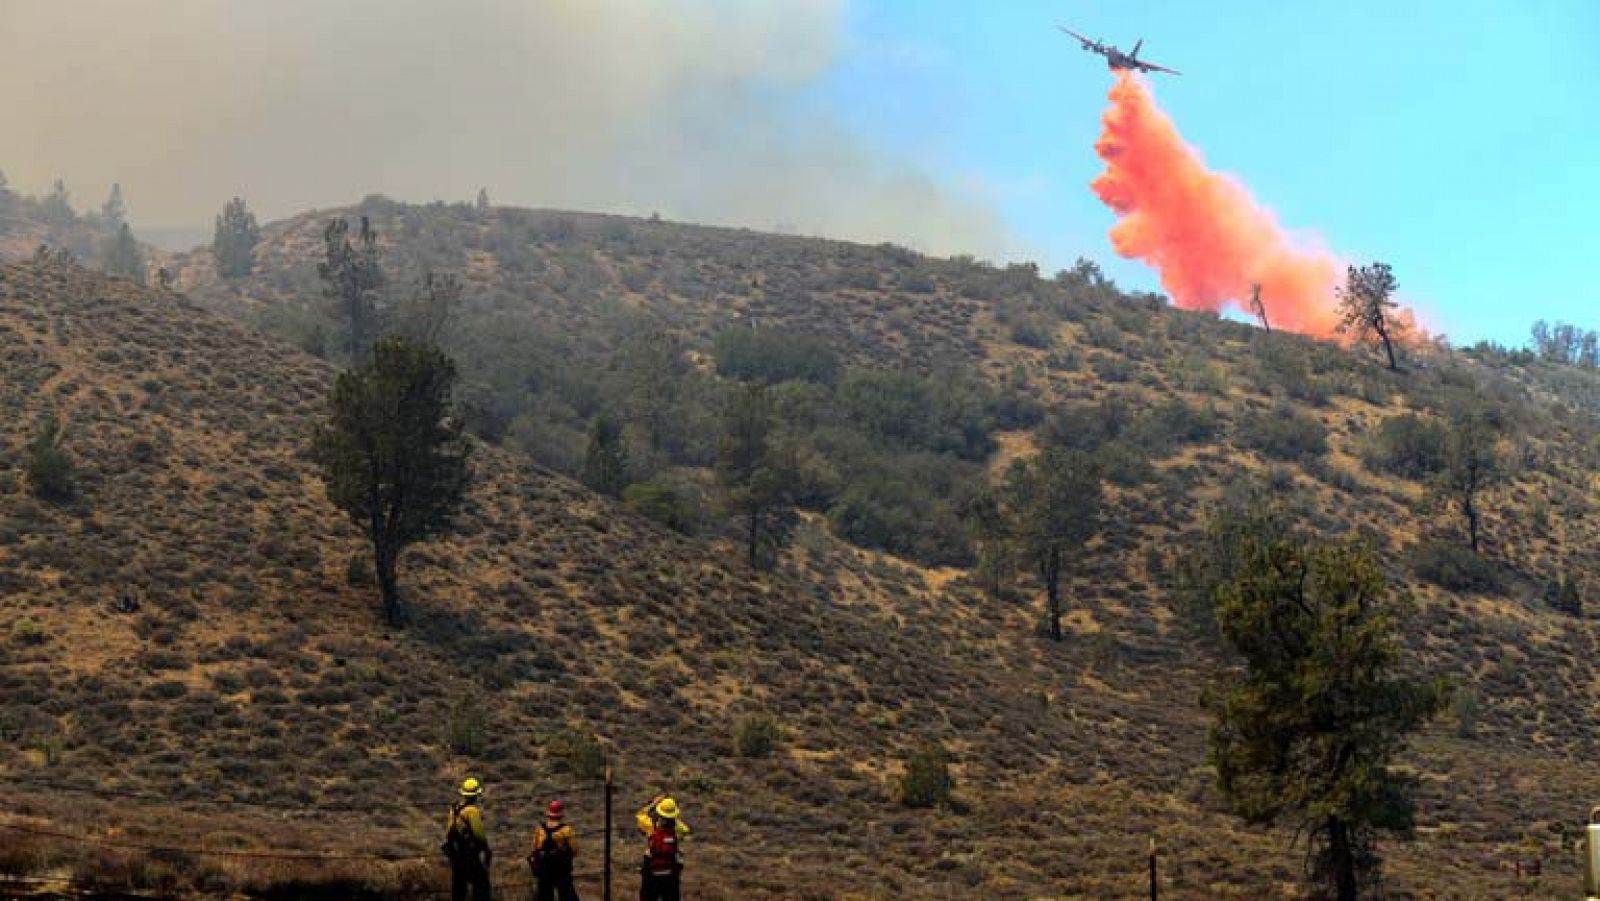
point(703, 110)
point(1201, 230)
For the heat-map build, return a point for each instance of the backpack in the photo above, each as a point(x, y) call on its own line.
point(459, 842)
point(661, 858)
point(551, 858)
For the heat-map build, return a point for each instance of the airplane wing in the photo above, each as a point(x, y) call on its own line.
point(1081, 39)
point(1152, 67)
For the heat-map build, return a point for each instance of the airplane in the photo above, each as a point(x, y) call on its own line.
point(1116, 59)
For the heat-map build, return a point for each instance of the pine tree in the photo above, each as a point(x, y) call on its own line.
point(428, 312)
point(121, 255)
point(352, 279)
point(1306, 730)
point(1054, 508)
point(605, 462)
point(57, 207)
point(235, 238)
point(1366, 308)
point(114, 214)
point(392, 456)
point(755, 479)
point(1472, 464)
point(49, 469)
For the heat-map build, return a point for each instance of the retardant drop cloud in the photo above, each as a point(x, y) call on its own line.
point(1202, 230)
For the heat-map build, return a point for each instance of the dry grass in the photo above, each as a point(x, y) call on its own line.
point(253, 670)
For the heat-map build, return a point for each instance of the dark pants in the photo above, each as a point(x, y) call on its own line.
point(469, 874)
point(659, 888)
point(556, 888)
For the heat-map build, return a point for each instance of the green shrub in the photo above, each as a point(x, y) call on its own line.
point(1112, 367)
point(903, 504)
point(1174, 424)
point(1283, 365)
point(1453, 567)
point(1283, 434)
point(26, 631)
point(917, 282)
point(1466, 707)
point(358, 571)
point(49, 468)
point(1124, 463)
point(946, 412)
point(1561, 593)
point(861, 278)
point(579, 752)
point(771, 356)
point(927, 781)
point(756, 736)
point(1033, 331)
point(464, 729)
point(1407, 446)
point(662, 503)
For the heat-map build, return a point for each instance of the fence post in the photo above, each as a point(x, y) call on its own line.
point(1155, 883)
point(606, 876)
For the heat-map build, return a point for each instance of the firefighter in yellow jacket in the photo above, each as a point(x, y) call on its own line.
point(466, 844)
point(660, 875)
point(555, 845)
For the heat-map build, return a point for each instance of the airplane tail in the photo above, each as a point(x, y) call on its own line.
point(1136, 46)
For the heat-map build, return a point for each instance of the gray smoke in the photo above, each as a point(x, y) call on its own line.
point(692, 109)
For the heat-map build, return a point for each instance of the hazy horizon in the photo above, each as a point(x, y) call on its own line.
point(699, 113)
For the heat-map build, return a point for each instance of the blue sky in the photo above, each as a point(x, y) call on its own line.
point(1459, 141)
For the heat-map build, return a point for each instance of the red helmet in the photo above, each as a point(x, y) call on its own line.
point(556, 810)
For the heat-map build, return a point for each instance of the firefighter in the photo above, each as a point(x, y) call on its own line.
point(665, 833)
point(466, 844)
point(555, 845)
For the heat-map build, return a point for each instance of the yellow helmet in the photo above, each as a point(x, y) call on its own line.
point(667, 808)
point(471, 788)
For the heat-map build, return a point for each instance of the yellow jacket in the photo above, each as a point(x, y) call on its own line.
point(647, 824)
point(563, 835)
point(471, 817)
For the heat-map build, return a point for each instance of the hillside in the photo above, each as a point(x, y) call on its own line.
point(195, 632)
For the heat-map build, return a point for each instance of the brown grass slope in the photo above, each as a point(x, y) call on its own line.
point(253, 669)
point(250, 670)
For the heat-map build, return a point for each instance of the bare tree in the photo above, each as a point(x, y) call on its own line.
point(1259, 308)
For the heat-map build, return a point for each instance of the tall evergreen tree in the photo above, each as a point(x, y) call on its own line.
point(57, 206)
point(428, 312)
point(1472, 464)
point(1054, 507)
point(114, 213)
point(1366, 308)
point(990, 532)
point(121, 255)
point(392, 456)
point(755, 479)
point(234, 239)
point(1307, 728)
point(605, 462)
point(352, 279)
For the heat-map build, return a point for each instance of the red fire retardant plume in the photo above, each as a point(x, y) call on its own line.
point(1200, 229)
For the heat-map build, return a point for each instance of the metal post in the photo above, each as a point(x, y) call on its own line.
point(1155, 884)
point(606, 875)
point(1591, 855)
